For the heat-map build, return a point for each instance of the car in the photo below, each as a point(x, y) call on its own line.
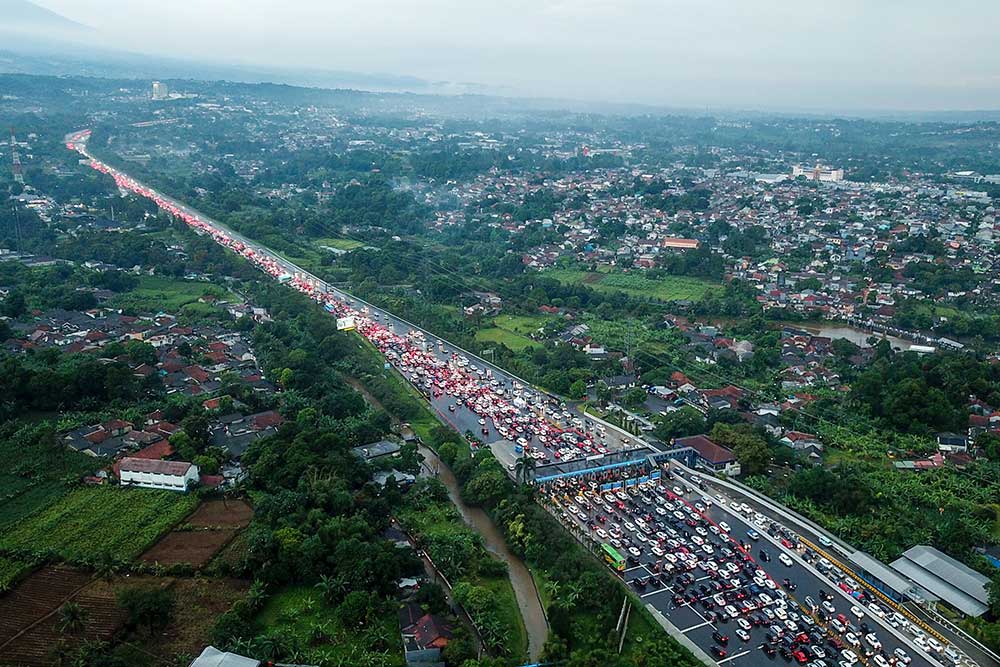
point(921, 643)
point(743, 634)
point(719, 652)
point(635, 552)
point(763, 555)
point(744, 623)
point(731, 610)
point(800, 656)
point(829, 608)
point(852, 639)
point(720, 638)
point(817, 651)
point(849, 656)
point(724, 526)
point(901, 655)
point(678, 491)
point(837, 626)
point(753, 534)
point(880, 661)
point(785, 559)
point(935, 645)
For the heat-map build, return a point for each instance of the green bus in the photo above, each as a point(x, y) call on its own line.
point(613, 558)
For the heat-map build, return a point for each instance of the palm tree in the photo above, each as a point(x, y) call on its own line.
point(72, 619)
point(523, 468)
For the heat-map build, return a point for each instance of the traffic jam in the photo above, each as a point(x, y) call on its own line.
point(704, 564)
point(539, 427)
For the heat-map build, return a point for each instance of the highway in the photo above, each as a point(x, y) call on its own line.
point(547, 408)
point(453, 380)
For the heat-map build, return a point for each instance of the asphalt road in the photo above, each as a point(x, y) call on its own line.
point(691, 619)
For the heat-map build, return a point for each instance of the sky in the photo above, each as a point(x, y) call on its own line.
point(832, 55)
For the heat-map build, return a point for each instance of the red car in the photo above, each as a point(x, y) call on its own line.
point(800, 656)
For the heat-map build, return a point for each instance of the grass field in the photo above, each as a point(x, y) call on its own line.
point(159, 293)
point(500, 336)
point(339, 244)
point(512, 331)
point(99, 522)
point(671, 288)
point(33, 477)
point(300, 612)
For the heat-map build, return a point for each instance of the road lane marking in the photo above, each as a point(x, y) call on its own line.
point(695, 627)
point(659, 590)
point(732, 657)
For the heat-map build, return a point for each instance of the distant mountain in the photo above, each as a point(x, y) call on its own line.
point(22, 15)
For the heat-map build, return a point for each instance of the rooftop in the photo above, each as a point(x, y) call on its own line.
point(953, 582)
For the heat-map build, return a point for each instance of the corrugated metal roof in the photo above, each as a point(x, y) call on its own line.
point(953, 582)
point(886, 574)
point(213, 657)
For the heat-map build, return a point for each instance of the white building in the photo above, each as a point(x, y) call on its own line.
point(818, 173)
point(160, 90)
point(155, 474)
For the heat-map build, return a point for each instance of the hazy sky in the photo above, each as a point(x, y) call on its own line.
point(791, 54)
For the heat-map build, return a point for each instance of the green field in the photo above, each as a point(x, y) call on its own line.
point(339, 244)
point(161, 294)
point(503, 337)
point(513, 331)
point(34, 475)
point(99, 522)
point(521, 324)
point(671, 288)
point(10, 570)
point(300, 613)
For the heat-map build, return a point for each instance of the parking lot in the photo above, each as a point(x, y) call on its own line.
point(732, 582)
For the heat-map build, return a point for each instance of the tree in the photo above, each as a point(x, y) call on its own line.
point(578, 389)
point(679, 424)
point(523, 468)
point(749, 448)
point(993, 594)
point(634, 398)
point(148, 609)
point(72, 619)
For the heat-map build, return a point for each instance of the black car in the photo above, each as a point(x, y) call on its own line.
point(768, 648)
point(763, 555)
point(719, 637)
point(719, 652)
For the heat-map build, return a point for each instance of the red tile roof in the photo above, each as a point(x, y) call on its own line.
point(708, 450)
point(176, 468)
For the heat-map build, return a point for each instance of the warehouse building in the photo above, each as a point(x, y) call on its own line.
point(154, 474)
point(960, 586)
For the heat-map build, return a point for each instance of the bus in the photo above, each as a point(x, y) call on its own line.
point(613, 558)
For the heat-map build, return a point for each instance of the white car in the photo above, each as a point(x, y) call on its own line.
point(837, 626)
point(743, 634)
point(873, 641)
point(856, 610)
point(849, 656)
point(902, 655)
point(635, 552)
point(852, 639)
point(658, 551)
point(731, 610)
point(678, 491)
point(880, 661)
point(877, 610)
point(744, 623)
point(724, 526)
point(785, 559)
point(829, 608)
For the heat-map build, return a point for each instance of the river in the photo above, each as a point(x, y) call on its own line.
point(521, 580)
point(857, 336)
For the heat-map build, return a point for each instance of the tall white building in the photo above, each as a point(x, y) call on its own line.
point(160, 90)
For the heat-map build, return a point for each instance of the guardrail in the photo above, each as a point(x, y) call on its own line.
point(881, 596)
